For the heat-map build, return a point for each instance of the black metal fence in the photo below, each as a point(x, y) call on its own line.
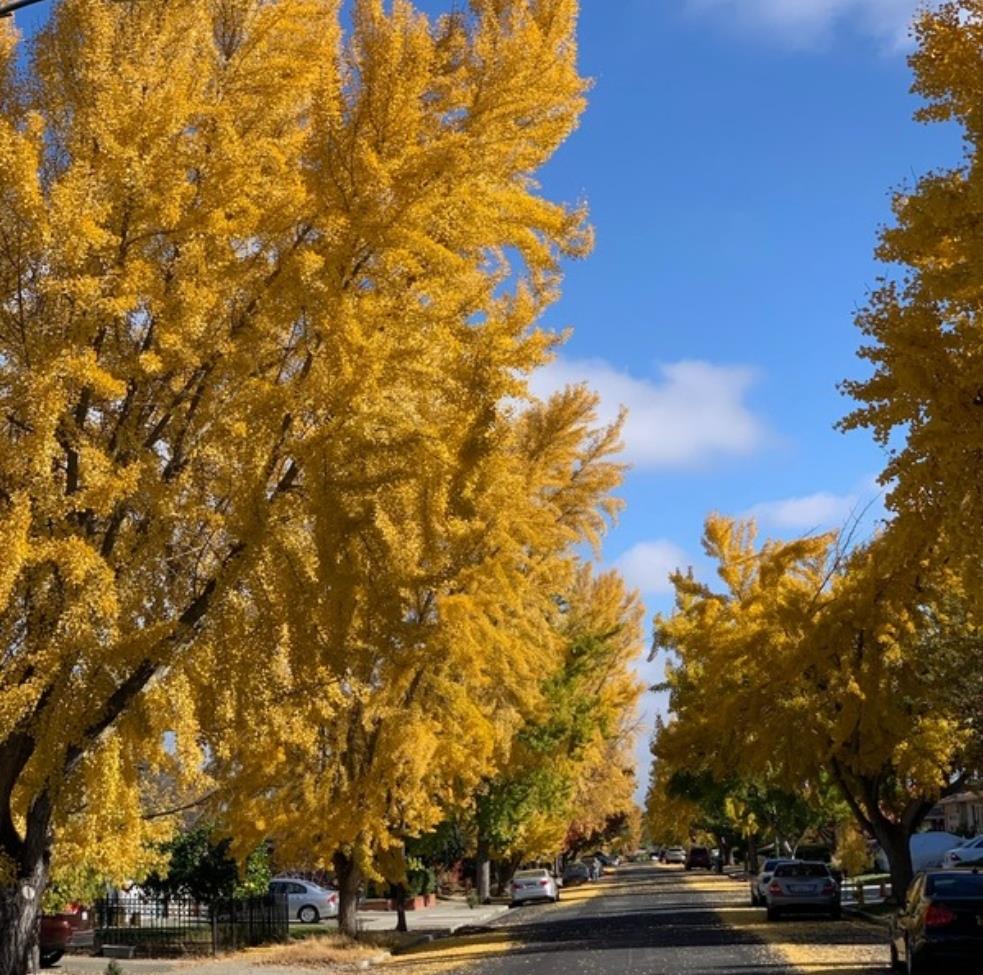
point(170, 926)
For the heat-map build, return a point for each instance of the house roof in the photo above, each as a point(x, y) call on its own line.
point(961, 797)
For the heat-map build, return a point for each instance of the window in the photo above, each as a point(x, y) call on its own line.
point(297, 889)
point(956, 885)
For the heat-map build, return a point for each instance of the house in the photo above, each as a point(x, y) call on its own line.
point(961, 813)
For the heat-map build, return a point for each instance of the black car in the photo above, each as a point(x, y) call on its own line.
point(940, 926)
point(575, 874)
point(698, 856)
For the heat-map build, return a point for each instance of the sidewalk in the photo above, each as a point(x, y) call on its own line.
point(445, 917)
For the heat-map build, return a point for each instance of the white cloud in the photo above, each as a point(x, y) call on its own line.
point(805, 22)
point(647, 565)
point(813, 511)
point(693, 412)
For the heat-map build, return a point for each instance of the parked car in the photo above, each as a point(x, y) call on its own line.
point(969, 852)
point(575, 874)
point(698, 857)
point(606, 859)
point(55, 935)
point(805, 885)
point(940, 923)
point(533, 885)
point(759, 882)
point(675, 854)
point(306, 901)
point(927, 850)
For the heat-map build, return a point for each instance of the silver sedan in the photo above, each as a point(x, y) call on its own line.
point(803, 886)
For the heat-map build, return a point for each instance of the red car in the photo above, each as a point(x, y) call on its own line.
point(56, 932)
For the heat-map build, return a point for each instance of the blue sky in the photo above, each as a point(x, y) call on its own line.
point(738, 157)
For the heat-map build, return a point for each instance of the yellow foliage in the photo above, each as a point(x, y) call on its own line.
point(922, 326)
point(810, 662)
point(261, 484)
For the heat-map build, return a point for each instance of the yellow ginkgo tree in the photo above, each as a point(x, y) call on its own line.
point(409, 660)
point(811, 662)
point(923, 397)
point(252, 271)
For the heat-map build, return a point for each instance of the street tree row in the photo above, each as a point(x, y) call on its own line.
point(282, 528)
point(826, 662)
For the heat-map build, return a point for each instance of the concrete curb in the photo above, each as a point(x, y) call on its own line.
point(460, 930)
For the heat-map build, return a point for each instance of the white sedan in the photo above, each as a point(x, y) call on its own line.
point(534, 885)
point(969, 852)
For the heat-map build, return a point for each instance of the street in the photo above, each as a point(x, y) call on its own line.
point(651, 919)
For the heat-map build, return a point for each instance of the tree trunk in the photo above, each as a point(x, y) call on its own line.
point(399, 896)
point(752, 856)
point(20, 902)
point(506, 871)
point(484, 871)
point(895, 840)
point(349, 879)
point(722, 854)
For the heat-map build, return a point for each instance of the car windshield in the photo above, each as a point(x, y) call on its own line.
point(698, 849)
point(955, 885)
point(530, 875)
point(769, 866)
point(801, 870)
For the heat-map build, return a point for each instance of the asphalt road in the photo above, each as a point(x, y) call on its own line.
point(650, 920)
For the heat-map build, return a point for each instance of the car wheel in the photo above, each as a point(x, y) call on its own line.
point(774, 914)
point(308, 914)
point(49, 958)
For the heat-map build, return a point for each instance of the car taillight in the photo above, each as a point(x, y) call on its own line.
point(776, 889)
point(938, 916)
point(829, 888)
point(516, 887)
point(544, 883)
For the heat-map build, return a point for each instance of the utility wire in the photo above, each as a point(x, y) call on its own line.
point(6, 9)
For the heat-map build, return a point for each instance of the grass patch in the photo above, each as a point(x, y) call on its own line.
point(325, 948)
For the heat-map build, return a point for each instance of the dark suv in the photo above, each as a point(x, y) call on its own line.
point(698, 856)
